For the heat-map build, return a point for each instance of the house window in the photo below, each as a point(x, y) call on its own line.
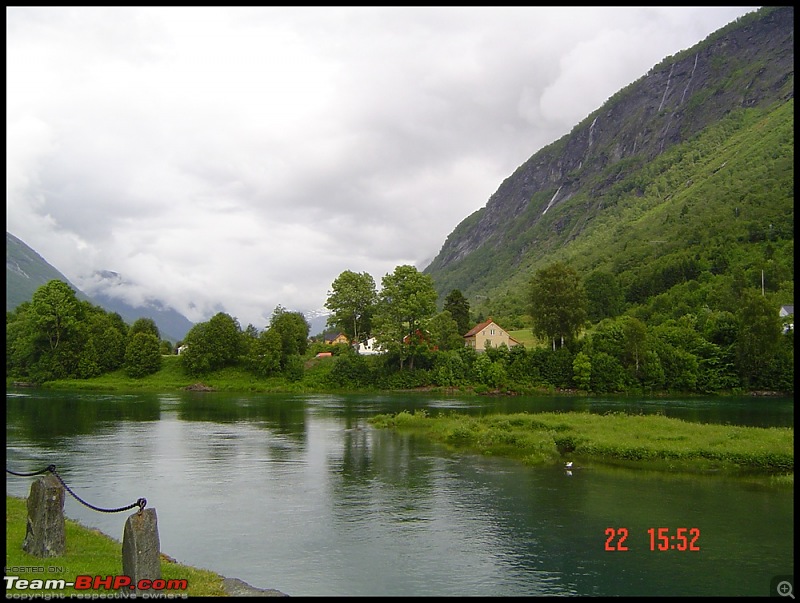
point(492, 331)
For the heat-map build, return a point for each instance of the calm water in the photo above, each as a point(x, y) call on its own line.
point(298, 493)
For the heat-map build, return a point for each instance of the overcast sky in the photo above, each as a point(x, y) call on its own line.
point(236, 159)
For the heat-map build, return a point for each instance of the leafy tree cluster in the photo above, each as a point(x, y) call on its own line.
point(735, 341)
point(220, 342)
point(58, 336)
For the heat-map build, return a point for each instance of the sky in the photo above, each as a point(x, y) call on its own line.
point(237, 159)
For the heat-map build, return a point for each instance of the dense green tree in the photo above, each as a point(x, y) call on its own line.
point(20, 341)
point(444, 332)
point(651, 374)
point(293, 369)
point(405, 304)
point(212, 345)
point(197, 358)
point(350, 370)
point(142, 355)
point(144, 325)
point(58, 334)
point(582, 367)
point(556, 367)
point(352, 302)
point(488, 372)
point(759, 338)
point(450, 369)
point(558, 303)
point(607, 374)
point(605, 297)
point(458, 306)
point(721, 328)
point(680, 368)
point(264, 353)
point(106, 342)
point(293, 330)
point(56, 313)
point(522, 368)
point(635, 342)
point(226, 334)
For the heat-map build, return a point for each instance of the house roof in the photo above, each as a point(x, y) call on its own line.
point(478, 328)
point(788, 309)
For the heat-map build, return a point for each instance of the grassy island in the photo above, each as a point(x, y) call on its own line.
point(651, 441)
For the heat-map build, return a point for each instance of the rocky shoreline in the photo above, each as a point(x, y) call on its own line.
point(239, 588)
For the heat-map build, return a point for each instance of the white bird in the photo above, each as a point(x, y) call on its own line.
point(568, 465)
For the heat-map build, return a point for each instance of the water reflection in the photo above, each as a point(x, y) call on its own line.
point(299, 493)
point(49, 418)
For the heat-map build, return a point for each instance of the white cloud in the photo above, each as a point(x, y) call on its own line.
point(242, 158)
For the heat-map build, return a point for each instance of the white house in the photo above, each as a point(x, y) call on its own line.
point(369, 348)
point(788, 325)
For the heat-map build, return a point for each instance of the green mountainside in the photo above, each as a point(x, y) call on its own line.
point(681, 186)
point(26, 271)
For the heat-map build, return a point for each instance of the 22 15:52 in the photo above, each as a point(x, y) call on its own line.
point(661, 539)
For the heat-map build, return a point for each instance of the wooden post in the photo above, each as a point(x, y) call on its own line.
point(45, 531)
point(141, 547)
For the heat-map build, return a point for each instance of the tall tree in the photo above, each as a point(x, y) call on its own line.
point(212, 345)
point(107, 339)
point(142, 355)
point(58, 333)
point(406, 302)
point(605, 297)
point(635, 342)
point(293, 330)
point(444, 332)
point(264, 353)
point(759, 338)
point(352, 301)
point(558, 303)
point(458, 306)
point(144, 325)
point(56, 312)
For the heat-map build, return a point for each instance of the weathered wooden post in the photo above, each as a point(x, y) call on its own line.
point(141, 547)
point(45, 533)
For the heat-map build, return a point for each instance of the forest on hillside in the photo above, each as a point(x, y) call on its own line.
point(57, 337)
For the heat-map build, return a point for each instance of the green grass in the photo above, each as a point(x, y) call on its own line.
point(526, 338)
point(651, 441)
point(172, 377)
point(92, 553)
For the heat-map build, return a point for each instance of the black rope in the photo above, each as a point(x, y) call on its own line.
point(45, 470)
point(52, 469)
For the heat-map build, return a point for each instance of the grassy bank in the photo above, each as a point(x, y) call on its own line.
point(172, 377)
point(651, 441)
point(92, 553)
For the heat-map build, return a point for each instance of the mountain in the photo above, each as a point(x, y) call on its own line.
point(693, 159)
point(317, 320)
point(26, 271)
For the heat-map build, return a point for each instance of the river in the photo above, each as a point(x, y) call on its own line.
point(298, 493)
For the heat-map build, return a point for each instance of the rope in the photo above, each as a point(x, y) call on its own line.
point(45, 470)
point(52, 469)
